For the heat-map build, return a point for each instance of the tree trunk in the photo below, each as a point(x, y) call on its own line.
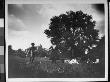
point(72, 53)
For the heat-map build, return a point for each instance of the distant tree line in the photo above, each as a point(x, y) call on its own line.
point(41, 52)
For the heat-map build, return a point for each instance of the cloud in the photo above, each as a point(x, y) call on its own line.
point(101, 26)
point(15, 23)
point(49, 10)
point(16, 27)
point(57, 9)
point(17, 34)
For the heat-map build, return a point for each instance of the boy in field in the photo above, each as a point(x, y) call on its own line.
point(32, 51)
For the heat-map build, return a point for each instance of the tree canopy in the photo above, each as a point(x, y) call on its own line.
point(73, 31)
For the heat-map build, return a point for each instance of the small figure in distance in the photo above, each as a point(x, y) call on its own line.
point(32, 51)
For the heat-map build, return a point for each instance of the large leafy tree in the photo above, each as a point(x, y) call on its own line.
point(72, 32)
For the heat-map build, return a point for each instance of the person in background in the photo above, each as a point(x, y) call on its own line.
point(32, 51)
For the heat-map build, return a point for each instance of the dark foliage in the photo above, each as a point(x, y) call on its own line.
point(99, 51)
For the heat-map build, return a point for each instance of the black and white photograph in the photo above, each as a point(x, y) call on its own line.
point(56, 40)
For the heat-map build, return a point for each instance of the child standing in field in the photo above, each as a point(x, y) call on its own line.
point(32, 51)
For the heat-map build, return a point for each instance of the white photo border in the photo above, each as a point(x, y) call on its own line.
point(58, 2)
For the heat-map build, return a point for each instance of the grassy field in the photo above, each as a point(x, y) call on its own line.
point(44, 68)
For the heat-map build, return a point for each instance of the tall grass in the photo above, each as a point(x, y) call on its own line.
point(46, 69)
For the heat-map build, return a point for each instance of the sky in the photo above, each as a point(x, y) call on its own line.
point(27, 22)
